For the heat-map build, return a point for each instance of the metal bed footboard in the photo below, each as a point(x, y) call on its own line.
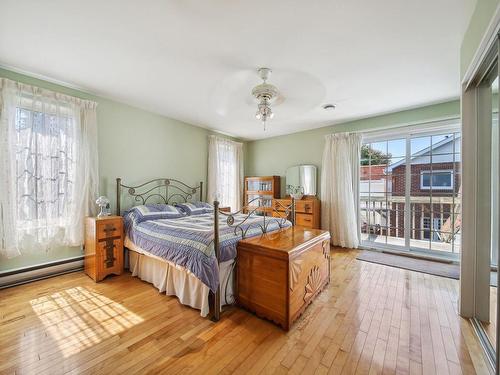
point(250, 209)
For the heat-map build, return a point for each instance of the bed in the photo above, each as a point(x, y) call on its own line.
point(191, 255)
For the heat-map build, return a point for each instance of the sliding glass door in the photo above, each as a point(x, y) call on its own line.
point(491, 325)
point(410, 190)
point(488, 314)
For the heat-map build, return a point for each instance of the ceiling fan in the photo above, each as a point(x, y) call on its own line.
point(265, 93)
point(243, 95)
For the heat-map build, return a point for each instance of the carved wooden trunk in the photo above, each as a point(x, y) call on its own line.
point(280, 273)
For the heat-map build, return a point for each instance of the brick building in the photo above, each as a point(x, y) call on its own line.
point(434, 187)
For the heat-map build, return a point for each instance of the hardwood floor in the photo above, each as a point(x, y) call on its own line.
point(372, 319)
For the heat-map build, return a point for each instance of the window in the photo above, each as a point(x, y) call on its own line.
point(437, 180)
point(45, 165)
point(49, 174)
point(225, 172)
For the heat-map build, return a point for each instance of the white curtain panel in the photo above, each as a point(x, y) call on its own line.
point(225, 172)
point(49, 169)
point(340, 188)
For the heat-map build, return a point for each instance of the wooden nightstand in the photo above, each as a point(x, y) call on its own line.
point(225, 209)
point(103, 246)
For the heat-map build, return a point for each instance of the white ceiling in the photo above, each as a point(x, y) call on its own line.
point(195, 61)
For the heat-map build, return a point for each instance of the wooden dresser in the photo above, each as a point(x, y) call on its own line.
point(103, 246)
point(307, 211)
point(281, 272)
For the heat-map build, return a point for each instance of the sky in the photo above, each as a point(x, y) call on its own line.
point(397, 147)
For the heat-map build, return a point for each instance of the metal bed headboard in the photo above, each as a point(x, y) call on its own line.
point(165, 190)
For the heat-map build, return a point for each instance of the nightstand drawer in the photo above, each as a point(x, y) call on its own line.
point(109, 228)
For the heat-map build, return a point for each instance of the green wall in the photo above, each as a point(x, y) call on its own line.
point(272, 156)
point(135, 145)
point(481, 18)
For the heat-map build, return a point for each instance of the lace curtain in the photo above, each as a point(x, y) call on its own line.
point(340, 188)
point(48, 168)
point(225, 172)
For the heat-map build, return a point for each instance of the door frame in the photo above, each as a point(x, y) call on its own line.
point(476, 196)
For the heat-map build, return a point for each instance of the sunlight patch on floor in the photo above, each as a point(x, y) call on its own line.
point(78, 318)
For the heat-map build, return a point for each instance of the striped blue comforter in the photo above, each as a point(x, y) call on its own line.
point(189, 241)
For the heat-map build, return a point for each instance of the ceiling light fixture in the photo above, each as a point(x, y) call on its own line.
point(265, 94)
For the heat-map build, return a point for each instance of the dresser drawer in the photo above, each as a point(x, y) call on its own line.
point(109, 228)
point(281, 204)
point(280, 214)
point(304, 220)
point(304, 207)
point(307, 211)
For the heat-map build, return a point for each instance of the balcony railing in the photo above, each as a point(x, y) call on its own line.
point(434, 221)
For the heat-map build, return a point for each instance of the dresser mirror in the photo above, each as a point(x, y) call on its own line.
point(301, 180)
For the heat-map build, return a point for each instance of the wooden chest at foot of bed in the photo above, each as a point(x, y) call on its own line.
point(281, 272)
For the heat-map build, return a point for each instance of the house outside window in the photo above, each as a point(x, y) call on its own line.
point(438, 180)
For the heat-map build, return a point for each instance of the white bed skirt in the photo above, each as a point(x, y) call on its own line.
point(177, 281)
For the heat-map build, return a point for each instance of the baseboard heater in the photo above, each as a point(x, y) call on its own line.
point(42, 271)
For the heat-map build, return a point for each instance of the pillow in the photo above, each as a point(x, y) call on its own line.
point(195, 208)
point(138, 214)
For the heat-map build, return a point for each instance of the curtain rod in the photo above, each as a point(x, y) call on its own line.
point(37, 90)
point(448, 120)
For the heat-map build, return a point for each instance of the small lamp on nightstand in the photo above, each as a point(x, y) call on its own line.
point(103, 203)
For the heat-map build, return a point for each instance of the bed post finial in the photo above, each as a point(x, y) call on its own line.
point(216, 315)
point(118, 195)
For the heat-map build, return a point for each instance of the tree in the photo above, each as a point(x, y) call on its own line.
point(374, 157)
